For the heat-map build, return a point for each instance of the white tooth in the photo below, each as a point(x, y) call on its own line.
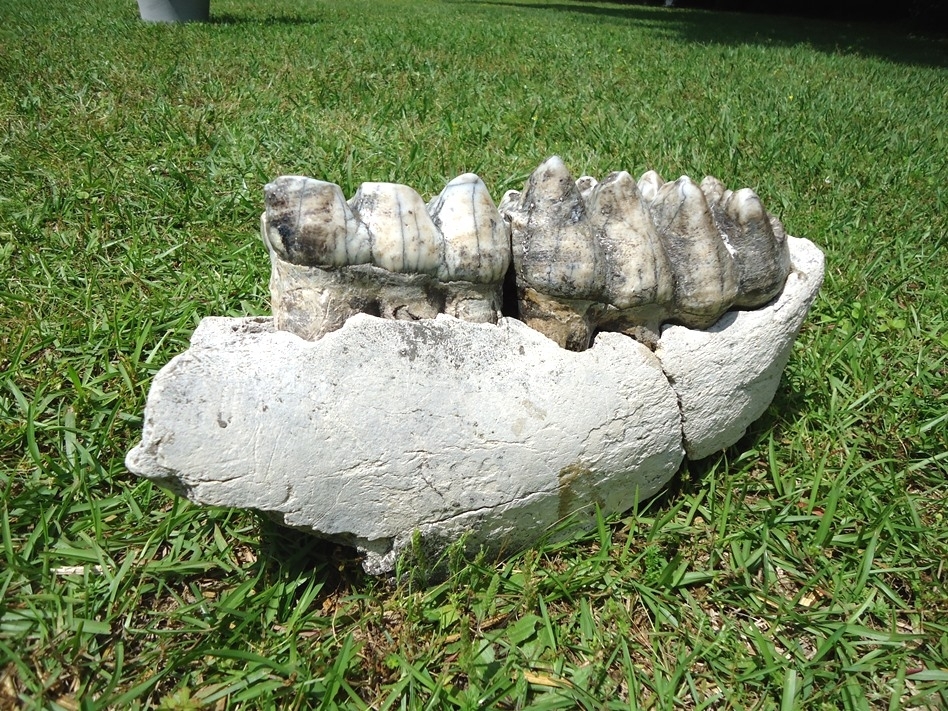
point(510, 198)
point(403, 237)
point(585, 184)
point(705, 275)
point(554, 248)
point(637, 271)
point(713, 190)
point(308, 222)
point(762, 257)
point(649, 185)
point(476, 242)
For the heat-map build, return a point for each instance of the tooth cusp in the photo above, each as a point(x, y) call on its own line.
point(476, 247)
point(308, 222)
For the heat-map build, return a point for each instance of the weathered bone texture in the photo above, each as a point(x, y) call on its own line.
point(627, 256)
point(383, 253)
point(452, 429)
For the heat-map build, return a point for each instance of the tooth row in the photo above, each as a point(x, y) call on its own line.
point(620, 254)
point(459, 236)
point(384, 252)
point(629, 255)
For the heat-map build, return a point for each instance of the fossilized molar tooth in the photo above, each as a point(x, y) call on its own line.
point(384, 253)
point(558, 262)
point(760, 251)
point(650, 252)
point(705, 275)
point(475, 239)
point(756, 239)
point(308, 222)
point(554, 248)
point(404, 239)
point(637, 272)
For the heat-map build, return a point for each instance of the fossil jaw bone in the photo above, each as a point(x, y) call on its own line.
point(384, 252)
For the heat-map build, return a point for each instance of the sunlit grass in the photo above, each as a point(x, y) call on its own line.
point(802, 568)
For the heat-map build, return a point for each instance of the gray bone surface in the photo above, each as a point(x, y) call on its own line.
point(384, 428)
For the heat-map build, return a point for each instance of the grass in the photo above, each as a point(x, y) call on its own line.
point(802, 568)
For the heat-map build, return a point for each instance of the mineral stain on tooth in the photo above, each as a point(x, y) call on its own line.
point(760, 252)
point(554, 249)
point(638, 273)
point(558, 262)
point(308, 222)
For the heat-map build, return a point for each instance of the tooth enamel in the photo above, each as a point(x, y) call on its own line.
point(557, 260)
point(554, 249)
point(762, 257)
point(404, 239)
point(713, 190)
point(637, 272)
point(649, 185)
point(705, 276)
point(585, 184)
point(308, 222)
point(476, 244)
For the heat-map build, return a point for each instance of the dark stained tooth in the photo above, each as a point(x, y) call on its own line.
point(308, 222)
point(760, 253)
point(554, 249)
point(637, 271)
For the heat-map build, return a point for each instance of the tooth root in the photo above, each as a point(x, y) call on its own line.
point(308, 222)
point(476, 243)
point(705, 275)
point(761, 255)
point(404, 239)
point(554, 248)
point(637, 271)
point(649, 185)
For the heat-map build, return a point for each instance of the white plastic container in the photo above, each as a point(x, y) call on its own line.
point(174, 10)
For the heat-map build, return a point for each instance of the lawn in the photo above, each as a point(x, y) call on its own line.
point(805, 567)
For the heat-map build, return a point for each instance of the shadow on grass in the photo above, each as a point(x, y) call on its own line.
point(298, 554)
point(891, 42)
point(230, 19)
